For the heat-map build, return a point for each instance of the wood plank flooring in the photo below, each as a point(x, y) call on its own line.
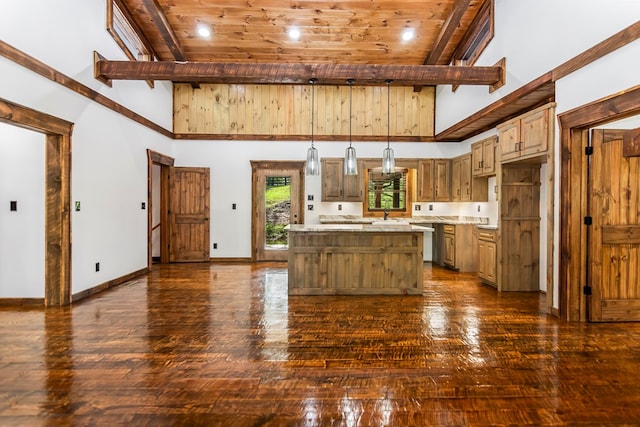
point(223, 345)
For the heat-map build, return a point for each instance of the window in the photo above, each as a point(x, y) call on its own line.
point(388, 192)
point(476, 39)
point(127, 34)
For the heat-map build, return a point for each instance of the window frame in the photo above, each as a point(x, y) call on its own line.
point(116, 10)
point(392, 212)
point(477, 37)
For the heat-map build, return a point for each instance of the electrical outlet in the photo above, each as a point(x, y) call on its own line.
point(430, 207)
point(97, 267)
point(478, 208)
point(233, 206)
point(13, 205)
point(215, 246)
point(143, 205)
point(339, 207)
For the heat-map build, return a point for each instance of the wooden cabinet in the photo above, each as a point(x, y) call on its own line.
point(483, 157)
point(487, 256)
point(434, 180)
point(442, 174)
point(456, 183)
point(461, 178)
point(527, 136)
point(519, 228)
point(325, 262)
point(426, 181)
point(337, 187)
point(459, 247)
point(465, 187)
point(449, 254)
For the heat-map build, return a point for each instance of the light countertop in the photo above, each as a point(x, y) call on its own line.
point(392, 227)
point(422, 219)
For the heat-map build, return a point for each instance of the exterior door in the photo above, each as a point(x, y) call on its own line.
point(614, 241)
point(277, 201)
point(189, 214)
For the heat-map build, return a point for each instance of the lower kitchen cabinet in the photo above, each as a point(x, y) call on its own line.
point(487, 256)
point(459, 247)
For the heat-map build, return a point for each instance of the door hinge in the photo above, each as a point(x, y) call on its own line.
point(588, 150)
point(588, 220)
point(586, 290)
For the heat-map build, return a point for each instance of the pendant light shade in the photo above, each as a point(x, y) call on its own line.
point(350, 160)
point(388, 160)
point(313, 160)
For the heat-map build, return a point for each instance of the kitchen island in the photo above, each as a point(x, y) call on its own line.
point(356, 259)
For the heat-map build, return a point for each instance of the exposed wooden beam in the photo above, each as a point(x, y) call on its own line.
point(284, 73)
point(164, 28)
point(446, 32)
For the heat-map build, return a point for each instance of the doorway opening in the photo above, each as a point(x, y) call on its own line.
point(277, 201)
point(277, 212)
point(57, 198)
point(158, 167)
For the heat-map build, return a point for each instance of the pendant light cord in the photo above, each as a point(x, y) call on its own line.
point(313, 96)
point(350, 82)
point(388, 111)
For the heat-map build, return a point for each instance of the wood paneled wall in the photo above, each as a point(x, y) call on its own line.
point(285, 111)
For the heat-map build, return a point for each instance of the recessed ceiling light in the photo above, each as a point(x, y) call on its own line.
point(407, 34)
point(204, 31)
point(294, 33)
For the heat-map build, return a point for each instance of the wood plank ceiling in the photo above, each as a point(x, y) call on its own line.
point(338, 40)
point(359, 39)
point(331, 32)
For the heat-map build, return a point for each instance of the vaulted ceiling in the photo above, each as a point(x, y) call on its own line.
point(250, 41)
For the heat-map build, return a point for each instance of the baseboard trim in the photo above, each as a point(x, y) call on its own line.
point(21, 302)
point(106, 285)
point(229, 260)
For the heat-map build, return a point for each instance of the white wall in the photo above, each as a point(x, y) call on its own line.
point(22, 244)
point(231, 182)
point(535, 36)
point(109, 161)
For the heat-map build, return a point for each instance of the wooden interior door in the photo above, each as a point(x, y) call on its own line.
point(614, 248)
point(261, 172)
point(189, 214)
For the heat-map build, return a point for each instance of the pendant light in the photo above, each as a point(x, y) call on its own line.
point(350, 161)
point(388, 161)
point(313, 161)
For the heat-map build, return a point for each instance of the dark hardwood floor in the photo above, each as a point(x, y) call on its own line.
point(223, 345)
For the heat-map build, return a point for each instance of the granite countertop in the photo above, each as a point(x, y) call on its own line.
point(422, 219)
point(390, 227)
point(488, 227)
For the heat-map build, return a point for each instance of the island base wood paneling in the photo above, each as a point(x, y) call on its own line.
point(355, 263)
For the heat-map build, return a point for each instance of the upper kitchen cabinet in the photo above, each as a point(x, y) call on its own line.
point(527, 137)
point(338, 187)
point(483, 156)
point(442, 173)
point(426, 181)
point(434, 180)
point(464, 186)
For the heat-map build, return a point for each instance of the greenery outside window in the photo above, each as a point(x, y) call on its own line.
point(388, 192)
